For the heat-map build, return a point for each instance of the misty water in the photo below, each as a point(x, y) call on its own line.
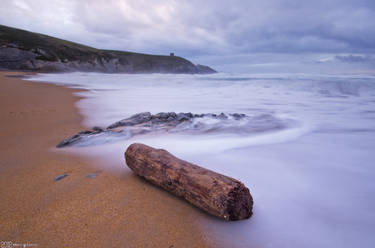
point(307, 155)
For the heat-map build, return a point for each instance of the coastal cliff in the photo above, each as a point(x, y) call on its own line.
point(23, 50)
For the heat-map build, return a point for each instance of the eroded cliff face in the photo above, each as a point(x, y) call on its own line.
point(23, 50)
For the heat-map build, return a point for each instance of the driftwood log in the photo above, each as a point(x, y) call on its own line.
point(217, 194)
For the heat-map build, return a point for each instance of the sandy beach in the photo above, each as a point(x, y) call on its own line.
point(110, 210)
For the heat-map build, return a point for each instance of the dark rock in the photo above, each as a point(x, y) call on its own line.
point(211, 115)
point(237, 116)
point(59, 177)
point(133, 120)
point(171, 118)
point(222, 116)
point(69, 141)
point(164, 116)
point(86, 132)
point(84, 136)
point(145, 122)
point(184, 116)
point(98, 129)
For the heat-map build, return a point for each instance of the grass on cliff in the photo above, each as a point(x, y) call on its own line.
point(54, 49)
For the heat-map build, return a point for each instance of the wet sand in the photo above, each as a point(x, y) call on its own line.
point(114, 209)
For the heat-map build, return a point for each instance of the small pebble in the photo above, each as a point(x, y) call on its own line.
point(59, 177)
point(91, 175)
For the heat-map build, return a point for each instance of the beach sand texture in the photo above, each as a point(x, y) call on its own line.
point(110, 210)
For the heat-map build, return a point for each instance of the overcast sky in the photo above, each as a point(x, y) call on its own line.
point(203, 28)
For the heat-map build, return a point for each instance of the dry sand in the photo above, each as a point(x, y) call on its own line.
point(111, 210)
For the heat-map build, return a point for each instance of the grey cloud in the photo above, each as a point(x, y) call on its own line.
point(192, 28)
point(355, 58)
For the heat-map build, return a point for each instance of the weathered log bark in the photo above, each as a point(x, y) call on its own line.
point(217, 194)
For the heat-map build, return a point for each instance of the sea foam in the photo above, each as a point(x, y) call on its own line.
point(312, 181)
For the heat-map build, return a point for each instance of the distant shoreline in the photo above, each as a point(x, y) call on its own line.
point(24, 50)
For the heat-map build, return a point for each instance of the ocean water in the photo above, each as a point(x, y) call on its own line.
point(307, 155)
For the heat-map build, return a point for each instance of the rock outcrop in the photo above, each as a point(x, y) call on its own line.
point(171, 122)
point(23, 50)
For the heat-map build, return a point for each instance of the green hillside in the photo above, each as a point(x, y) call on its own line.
point(20, 49)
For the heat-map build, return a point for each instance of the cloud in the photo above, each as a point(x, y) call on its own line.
point(191, 28)
point(355, 58)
